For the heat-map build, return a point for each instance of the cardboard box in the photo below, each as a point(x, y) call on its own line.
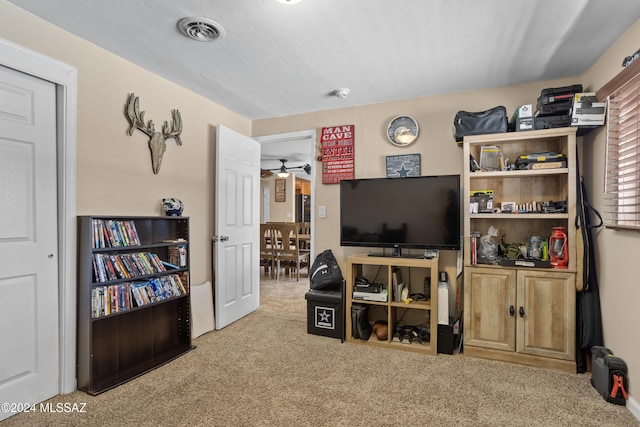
point(481, 201)
point(522, 119)
point(587, 111)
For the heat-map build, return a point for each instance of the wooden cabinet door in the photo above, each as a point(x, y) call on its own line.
point(546, 314)
point(490, 297)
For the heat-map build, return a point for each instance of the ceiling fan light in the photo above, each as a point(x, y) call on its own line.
point(283, 171)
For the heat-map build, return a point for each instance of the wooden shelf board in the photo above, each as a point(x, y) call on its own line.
point(100, 385)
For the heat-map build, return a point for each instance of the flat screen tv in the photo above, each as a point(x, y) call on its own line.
point(417, 212)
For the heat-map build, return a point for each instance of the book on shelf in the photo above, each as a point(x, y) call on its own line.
point(114, 233)
point(110, 299)
point(395, 282)
point(99, 270)
point(107, 267)
point(166, 264)
point(119, 267)
point(122, 235)
point(111, 271)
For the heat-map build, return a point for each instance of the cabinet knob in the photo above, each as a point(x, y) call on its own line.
point(521, 311)
point(512, 311)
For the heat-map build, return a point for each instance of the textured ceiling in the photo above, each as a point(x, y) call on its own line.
point(277, 60)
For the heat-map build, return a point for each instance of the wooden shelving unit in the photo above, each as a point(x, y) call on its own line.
point(416, 313)
point(522, 314)
point(126, 340)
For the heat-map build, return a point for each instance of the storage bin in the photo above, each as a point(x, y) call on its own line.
point(325, 313)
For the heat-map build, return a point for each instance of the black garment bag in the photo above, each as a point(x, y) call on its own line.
point(588, 314)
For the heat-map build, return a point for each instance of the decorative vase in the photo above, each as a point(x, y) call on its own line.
point(172, 207)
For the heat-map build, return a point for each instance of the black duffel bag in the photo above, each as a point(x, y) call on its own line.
point(480, 123)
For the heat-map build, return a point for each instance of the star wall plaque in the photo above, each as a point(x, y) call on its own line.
point(403, 166)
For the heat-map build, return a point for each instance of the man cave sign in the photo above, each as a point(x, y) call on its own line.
point(337, 153)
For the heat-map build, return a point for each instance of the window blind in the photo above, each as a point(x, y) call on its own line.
point(622, 174)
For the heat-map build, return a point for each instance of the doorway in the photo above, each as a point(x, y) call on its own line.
point(298, 151)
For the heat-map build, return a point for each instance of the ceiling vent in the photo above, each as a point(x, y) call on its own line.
point(200, 29)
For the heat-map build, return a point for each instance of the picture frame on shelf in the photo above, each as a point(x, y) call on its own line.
point(281, 192)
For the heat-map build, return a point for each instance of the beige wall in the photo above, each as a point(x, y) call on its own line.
point(280, 211)
point(114, 175)
point(437, 148)
point(617, 250)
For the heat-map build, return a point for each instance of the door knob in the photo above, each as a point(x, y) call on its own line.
point(521, 311)
point(220, 239)
point(512, 311)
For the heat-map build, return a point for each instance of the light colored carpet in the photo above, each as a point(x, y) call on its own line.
point(265, 370)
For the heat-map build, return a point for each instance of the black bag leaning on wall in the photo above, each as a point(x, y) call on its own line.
point(325, 272)
point(360, 327)
point(493, 120)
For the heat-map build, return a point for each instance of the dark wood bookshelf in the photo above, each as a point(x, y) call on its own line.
point(115, 348)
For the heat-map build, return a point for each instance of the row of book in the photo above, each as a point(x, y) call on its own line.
point(110, 299)
point(400, 289)
point(111, 233)
point(107, 267)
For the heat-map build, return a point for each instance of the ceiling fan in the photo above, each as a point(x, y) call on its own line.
point(283, 171)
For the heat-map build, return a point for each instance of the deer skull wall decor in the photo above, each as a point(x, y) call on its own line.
point(157, 143)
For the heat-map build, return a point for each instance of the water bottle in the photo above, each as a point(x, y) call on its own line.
point(443, 299)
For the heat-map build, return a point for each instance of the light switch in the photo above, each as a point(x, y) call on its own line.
point(322, 211)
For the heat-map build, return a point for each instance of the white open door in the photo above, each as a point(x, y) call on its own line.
point(237, 226)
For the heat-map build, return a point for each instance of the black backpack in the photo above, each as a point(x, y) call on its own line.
point(325, 272)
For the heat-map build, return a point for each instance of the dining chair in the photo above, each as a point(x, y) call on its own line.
point(305, 234)
point(288, 252)
point(267, 249)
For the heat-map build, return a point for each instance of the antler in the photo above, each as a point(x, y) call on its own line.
point(136, 117)
point(176, 127)
point(157, 143)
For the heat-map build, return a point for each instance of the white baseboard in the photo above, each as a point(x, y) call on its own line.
point(634, 407)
